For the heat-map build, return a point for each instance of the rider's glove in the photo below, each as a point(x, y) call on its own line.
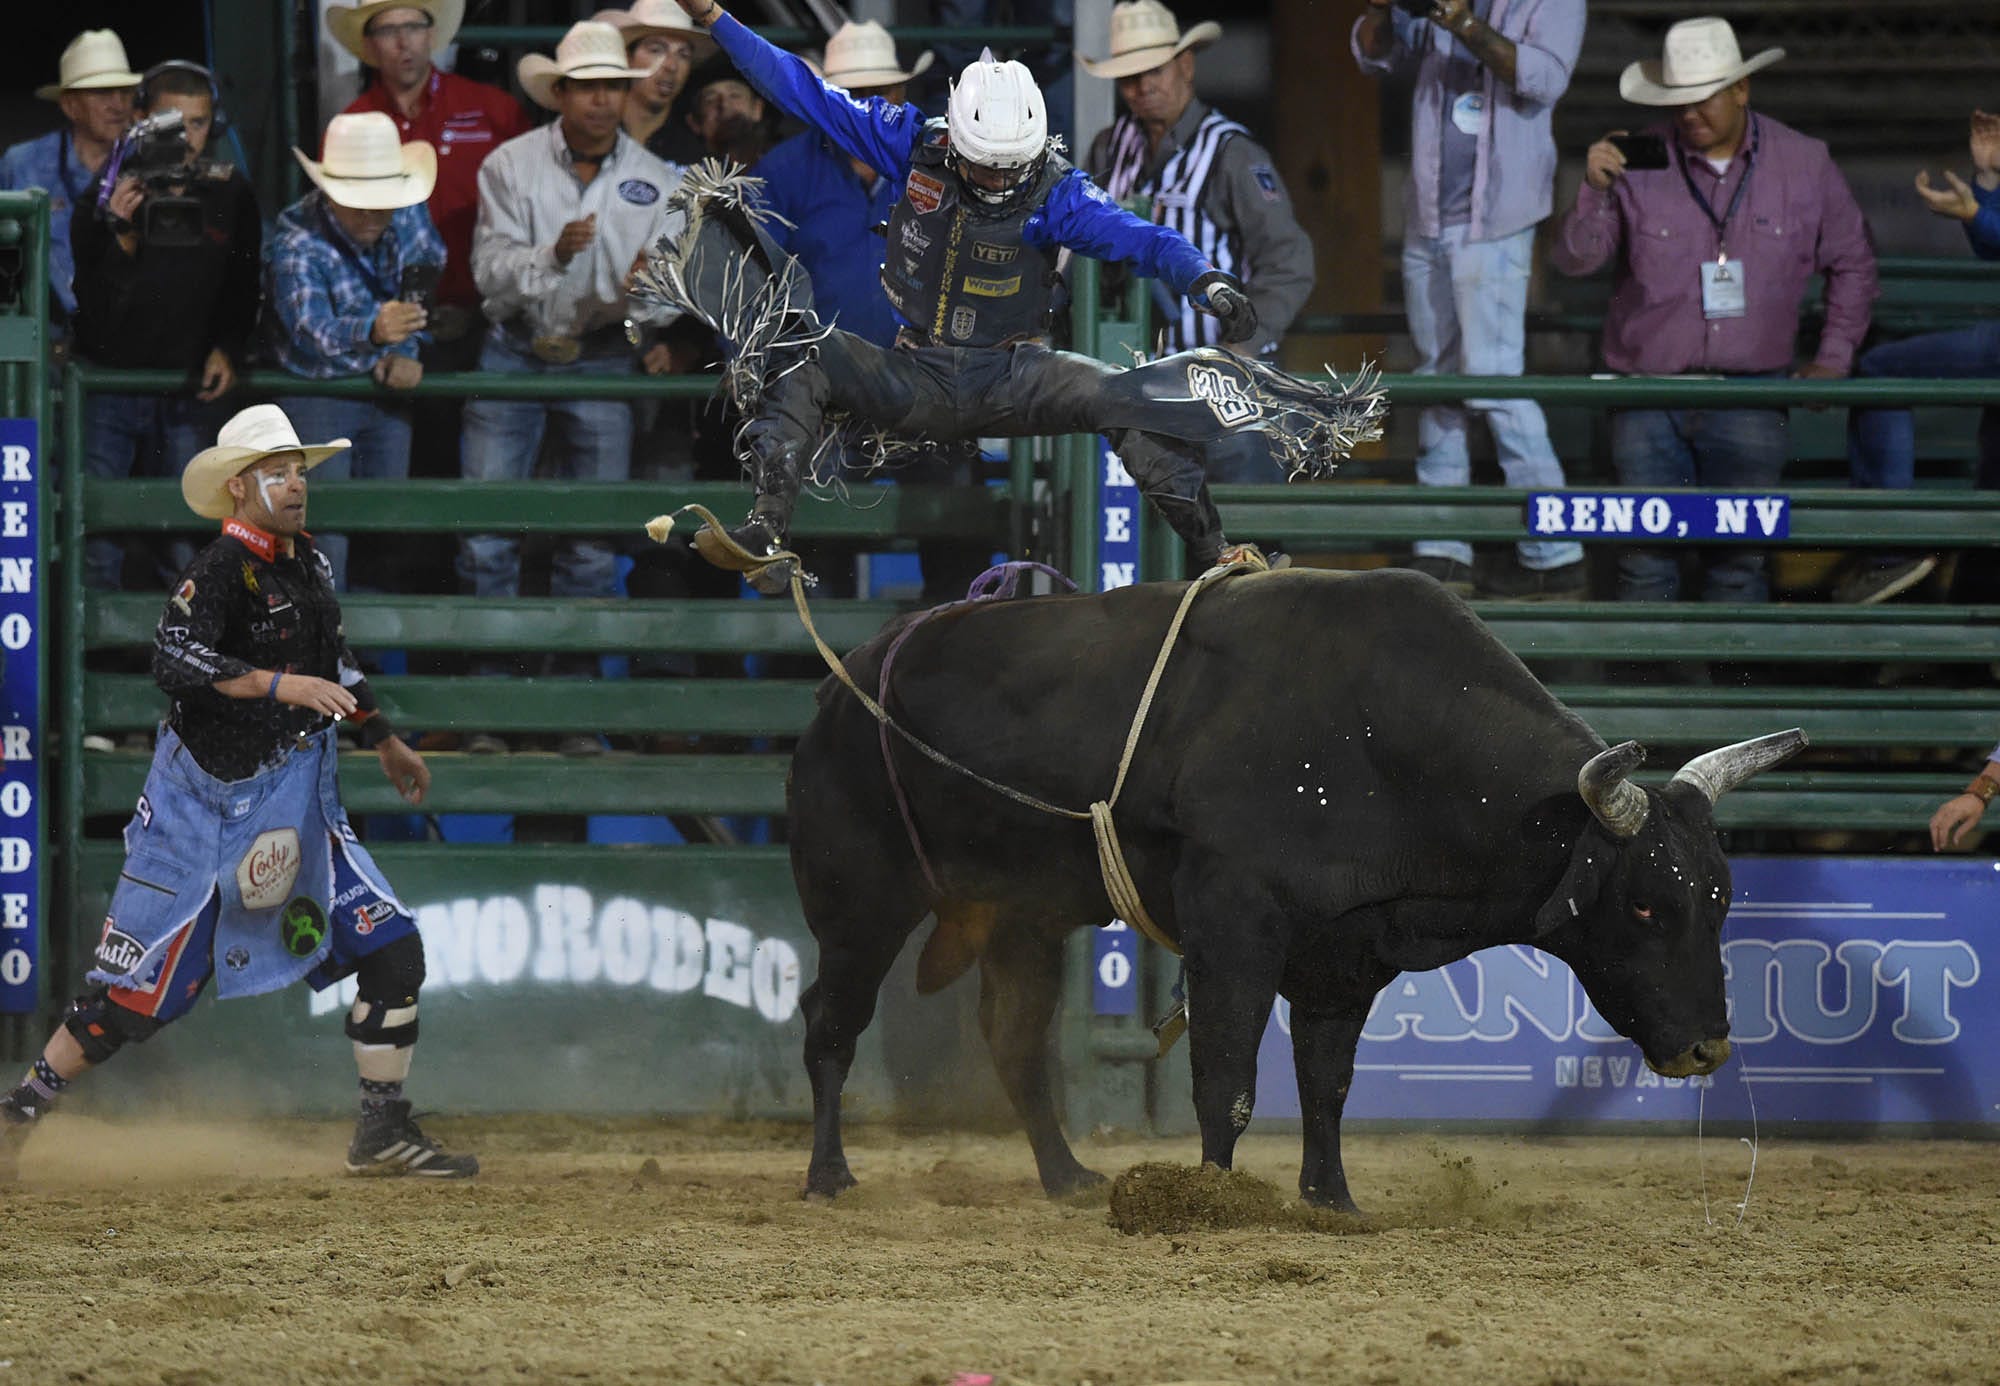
point(1223, 296)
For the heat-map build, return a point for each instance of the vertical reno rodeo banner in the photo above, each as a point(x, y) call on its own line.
point(1115, 950)
point(21, 728)
point(1860, 992)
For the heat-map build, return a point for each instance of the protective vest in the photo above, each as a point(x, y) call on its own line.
point(1177, 195)
point(958, 270)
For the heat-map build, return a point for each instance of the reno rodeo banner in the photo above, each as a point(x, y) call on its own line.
point(1859, 992)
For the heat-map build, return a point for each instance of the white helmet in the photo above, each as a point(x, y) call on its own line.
point(997, 116)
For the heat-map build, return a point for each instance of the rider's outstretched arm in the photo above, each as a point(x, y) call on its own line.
point(1082, 216)
point(879, 133)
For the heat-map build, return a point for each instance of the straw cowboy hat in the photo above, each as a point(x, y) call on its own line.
point(863, 55)
point(1144, 35)
point(348, 23)
point(1700, 58)
point(589, 52)
point(368, 167)
point(657, 17)
point(258, 432)
point(94, 61)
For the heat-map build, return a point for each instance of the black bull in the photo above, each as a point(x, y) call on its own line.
point(1342, 778)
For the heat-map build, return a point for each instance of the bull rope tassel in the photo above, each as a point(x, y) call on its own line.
point(1119, 886)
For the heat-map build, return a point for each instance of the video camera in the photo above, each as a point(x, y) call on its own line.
point(156, 152)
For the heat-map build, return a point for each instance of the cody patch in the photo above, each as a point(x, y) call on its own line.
point(924, 192)
point(1223, 393)
point(638, 192)
point(266, 874)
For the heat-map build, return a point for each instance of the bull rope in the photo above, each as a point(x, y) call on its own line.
point(1119, 885)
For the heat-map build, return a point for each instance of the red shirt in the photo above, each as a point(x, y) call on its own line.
point(464, 121)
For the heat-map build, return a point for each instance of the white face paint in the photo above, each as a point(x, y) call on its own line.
point(270, 485)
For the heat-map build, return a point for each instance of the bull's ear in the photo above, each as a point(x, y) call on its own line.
point(1589, 865)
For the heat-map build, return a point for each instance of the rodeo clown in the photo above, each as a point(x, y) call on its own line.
point(987, 206)
point(239, 861)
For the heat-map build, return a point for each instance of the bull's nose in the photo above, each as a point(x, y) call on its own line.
point(1711, 1054)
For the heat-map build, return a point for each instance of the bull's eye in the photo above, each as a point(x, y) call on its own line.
point(1642, 911)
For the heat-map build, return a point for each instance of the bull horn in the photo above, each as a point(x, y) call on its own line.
point(1617, 803)
point(1715, 773)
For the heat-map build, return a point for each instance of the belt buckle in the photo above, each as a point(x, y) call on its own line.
point(557, 349)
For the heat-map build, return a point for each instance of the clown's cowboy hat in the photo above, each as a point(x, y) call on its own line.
point(258, 432)
point(589, 52)
point(349, 23)
point(1700, 58)
point(1144, 35)
point(94, 61)
point(368, 167)
point(863, 55)
point(650, 17)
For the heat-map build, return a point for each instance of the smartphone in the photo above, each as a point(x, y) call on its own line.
point(1642, 151)
point(1420, 8)
point(418, 284)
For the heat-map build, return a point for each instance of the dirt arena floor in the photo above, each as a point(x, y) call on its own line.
point(680, 1252)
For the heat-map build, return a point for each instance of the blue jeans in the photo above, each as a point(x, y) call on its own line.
point(1882, 443)
point(1715, 449)
point(143, 436)
point(1467, 303)
point(500, 442)
point(380, 432)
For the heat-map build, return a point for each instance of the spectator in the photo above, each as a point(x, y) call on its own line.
point(727, 115)
point(94, 90)
point(834, 203)
point(1714, 253)
point(664, 42)
point(1482, 177)
point(1961, 813)
point(337, 269)
point(1882, 443)
point(162, 285)
point(463, 120)
point(566, 215)
point(1204, 175)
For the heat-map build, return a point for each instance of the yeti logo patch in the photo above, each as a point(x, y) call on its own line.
point(1223, 393)
point(924, 192)
point(962, 321)
point(987, 253)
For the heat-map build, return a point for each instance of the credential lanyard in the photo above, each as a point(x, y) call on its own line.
point(1721, 223)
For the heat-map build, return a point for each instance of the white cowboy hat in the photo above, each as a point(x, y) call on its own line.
point(1700, 58)
point(367, 166)
point(657, 17)
point(1144, 35)
point(863, 55)
point(589, 52)
point(256, 433)
point(347, 23)
point(94, 61)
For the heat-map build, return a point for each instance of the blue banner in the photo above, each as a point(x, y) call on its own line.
point(1689, 515)
point(21, 727)
point(1118, 507)
point(1114, 982)
point(1858, 994)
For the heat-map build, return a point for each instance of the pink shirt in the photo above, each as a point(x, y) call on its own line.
point(1796, 219)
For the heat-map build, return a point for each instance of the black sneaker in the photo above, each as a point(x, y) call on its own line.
point(1452, 575)
point(1510, 582)
point(392, 1143)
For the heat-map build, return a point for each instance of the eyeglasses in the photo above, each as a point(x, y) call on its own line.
point(399, 33)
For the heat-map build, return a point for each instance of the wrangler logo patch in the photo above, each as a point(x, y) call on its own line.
point(993, 288)
point(1223, 393)
point(987, 253)
point(924, 192)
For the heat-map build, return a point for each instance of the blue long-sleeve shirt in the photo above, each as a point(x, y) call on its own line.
point(1984, 230)
point(1077, 214)
point(833, 217)
point(49, 162)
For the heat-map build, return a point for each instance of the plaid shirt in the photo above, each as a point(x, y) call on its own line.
point(323, 290)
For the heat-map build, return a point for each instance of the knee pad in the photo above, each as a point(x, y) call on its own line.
point(393, 973)
point(101, 1027)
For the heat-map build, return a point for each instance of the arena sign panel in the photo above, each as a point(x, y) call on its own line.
point(1859, 993)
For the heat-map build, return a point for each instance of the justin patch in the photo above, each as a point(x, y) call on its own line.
point(924, 192)
point(992, 288)
point(987, 253)
point(117, 951)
